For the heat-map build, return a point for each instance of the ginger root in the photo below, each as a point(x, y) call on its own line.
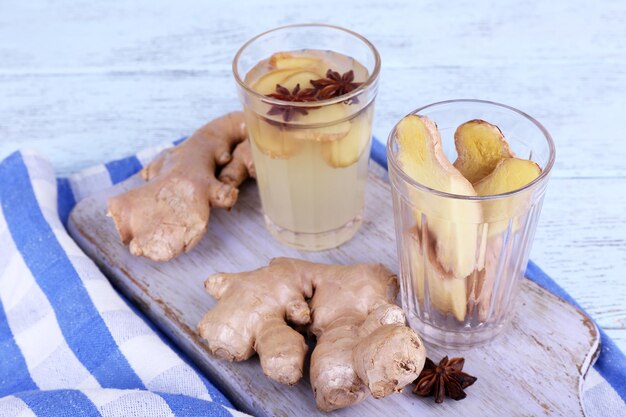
point(452, 222)
point(509, 174)
point(443, 291)
point(169, 214)
point(363, 345)
point(480, 146)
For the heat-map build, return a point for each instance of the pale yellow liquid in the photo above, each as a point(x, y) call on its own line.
point(311, 172)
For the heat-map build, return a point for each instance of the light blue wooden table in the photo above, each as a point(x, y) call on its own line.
point(84, 82)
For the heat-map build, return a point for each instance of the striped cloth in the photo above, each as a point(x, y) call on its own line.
point(70, 345)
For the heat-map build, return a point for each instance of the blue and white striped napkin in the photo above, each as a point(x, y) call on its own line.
point(70, 345)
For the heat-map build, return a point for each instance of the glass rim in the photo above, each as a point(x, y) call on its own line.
point(545, 172)
point(371, 80)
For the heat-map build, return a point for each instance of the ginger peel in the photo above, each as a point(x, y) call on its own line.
point(363, 346)
point(170, 212)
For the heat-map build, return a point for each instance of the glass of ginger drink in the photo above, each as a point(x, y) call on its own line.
point(308, 95)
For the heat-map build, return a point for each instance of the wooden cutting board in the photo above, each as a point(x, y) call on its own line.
point(536, 367)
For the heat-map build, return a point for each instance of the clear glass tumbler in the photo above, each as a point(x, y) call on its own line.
point(311, 157)
point(493, 233)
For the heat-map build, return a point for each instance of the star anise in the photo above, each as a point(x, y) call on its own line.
point(335, 84)
point(296, 95)
point(445, 379)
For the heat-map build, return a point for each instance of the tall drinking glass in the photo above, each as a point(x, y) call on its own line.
point(494, 233)
point(308, 95)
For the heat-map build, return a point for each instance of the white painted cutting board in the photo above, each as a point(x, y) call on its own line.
point(535, 368)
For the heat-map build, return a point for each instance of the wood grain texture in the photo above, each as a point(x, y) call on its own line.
point(85, 82)
point(546, 333)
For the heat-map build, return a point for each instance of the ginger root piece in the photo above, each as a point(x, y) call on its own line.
point(453, 222)
point(302, 78)
point(289, 60)
point(271, 139)
point(363, 345)
point(480, 146)
point(362, 341)
point(346, 151)
point(445, 292)
point(266, 84)
point(250, 316)
point(486, 160)
point(240, 167)
point(510, 174)
point(170, 212)
point(481, 298)
point(328, 118)
point(289, 70)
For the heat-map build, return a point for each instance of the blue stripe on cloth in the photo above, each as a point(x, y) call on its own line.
point(183, 406)
point(611, 363)
point(59, 403)
point(81, 324)
point(65, 199)
point(379, 153)
point(14, 375)
point(123, 168)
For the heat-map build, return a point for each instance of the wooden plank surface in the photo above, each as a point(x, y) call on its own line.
point(546, 333)
point(85, 82)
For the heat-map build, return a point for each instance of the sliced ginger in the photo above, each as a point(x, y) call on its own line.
point(290, 60)
point(302, 78)
point(272, 139)
point(481, 299)
point(289, 69)
point(278, 141)
point(343, 140)
point(363, 345)
point(446, 293)
point(510, 174)
point(328, 118)
point(471, 232)
point(485, 156)
point(480, 146)
point(422, 157)
point(347, 150)
point(452, 222)
point(267, 83)
point(170, 212)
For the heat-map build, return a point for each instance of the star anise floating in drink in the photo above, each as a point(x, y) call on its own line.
point(296, 95)
point(444, 379)
point(334, 85)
